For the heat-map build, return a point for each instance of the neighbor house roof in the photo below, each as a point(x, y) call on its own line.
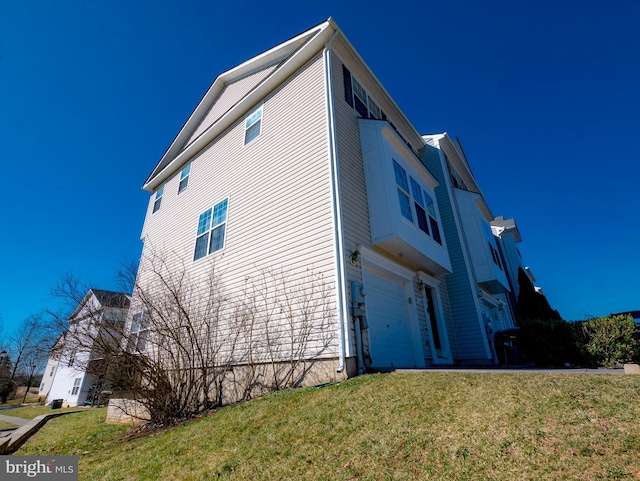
point(105, 298)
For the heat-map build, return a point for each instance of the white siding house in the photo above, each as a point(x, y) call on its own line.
point(298, 160)
point(66, 377)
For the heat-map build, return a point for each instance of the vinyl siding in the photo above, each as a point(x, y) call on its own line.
point(278, 186)
point(229, 96)
point(353, 190)
point(467, 340)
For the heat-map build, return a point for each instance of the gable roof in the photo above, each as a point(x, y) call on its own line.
point(234, 92)
point(105, 299)
point(457, 158)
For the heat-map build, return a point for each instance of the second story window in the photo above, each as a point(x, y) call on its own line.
point(253, 125)
point(138, 333)
point(158, 198)
point(359, 99)
point(184, 178)
point(211, 230)
point(416, 203)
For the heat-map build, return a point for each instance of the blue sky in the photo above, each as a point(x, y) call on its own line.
point(543, 95)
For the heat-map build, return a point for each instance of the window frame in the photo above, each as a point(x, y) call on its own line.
point(253, 118)
point(158, 199)
point(212, 222)
point(184, 178)
point(137, 338)
point(360, 101)
point(406, 185)
point(76, 386)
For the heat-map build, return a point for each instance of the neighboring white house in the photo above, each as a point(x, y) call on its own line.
point(66, 377)
point(299, 159)
point(48, 377)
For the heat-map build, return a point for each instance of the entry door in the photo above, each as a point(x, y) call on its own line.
point(390, 340)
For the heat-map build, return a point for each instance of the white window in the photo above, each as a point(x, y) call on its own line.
point(211, 230)
point(76, 386)
point(357, 97)
point(158, 198)
point(253, 125)
point(138, 333)
point(416, 205)
point(184, 178)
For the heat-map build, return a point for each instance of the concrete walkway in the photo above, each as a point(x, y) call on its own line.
point(14, 420)
point(29, 427)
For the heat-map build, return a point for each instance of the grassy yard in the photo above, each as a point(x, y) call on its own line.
point(437, 426)
point(30, 412)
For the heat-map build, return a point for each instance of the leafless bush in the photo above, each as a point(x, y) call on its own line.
point(189, 345)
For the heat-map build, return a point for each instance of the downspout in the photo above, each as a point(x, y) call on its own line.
point(335, 203)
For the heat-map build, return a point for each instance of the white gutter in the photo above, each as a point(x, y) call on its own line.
point(340, 270)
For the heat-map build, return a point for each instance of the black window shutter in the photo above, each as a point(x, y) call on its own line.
point(348, 90)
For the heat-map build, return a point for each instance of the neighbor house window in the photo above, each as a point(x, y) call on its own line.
point(138, 333)
point(184, 178)
point(495, 256)
point(252, 125)
point(41, 386)
point(158, 198)
point(76, 386)
point(456, 178)
point(211, 230)
point(416, 205)
point(53, 369)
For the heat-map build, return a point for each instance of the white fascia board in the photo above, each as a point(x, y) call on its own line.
point(316, 39)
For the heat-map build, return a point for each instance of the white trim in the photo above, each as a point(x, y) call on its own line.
point(434, 284)
point(340, 270)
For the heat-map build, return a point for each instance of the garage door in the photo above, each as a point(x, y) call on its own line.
point(390, 339)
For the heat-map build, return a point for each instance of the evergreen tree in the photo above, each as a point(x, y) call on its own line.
point(532, 304)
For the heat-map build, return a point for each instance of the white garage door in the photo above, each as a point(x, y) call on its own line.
point(390, 339)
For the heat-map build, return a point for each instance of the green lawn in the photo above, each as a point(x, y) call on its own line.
point(436, 426)
point(30, 412)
